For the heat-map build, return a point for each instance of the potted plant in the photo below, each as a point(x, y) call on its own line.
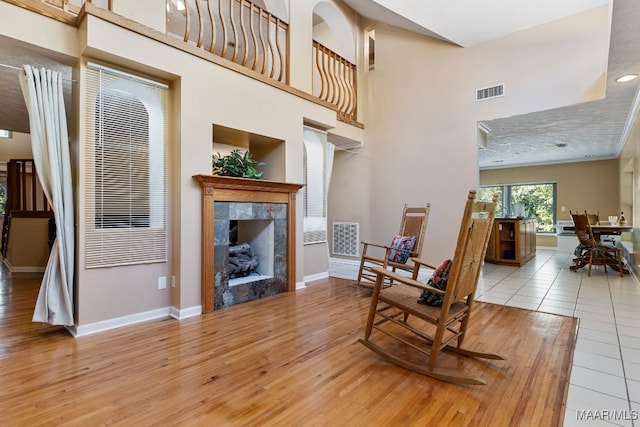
point(236, 164)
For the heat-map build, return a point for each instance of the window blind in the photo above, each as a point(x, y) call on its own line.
point(315, 185)
point(125, 158)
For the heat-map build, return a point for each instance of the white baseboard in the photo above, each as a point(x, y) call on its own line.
point(313, 277)
point(186, 312)
point(118, 322)
point(14, 269)
point(355, 262)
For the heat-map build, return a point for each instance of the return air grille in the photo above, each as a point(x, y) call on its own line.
point(489, 92)
point(345, 238)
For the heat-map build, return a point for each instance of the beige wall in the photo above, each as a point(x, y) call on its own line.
point(420, 117)
point(207, 94)
point(583, 185)
point(591, 186)
point(16, 147)
point(28, 248)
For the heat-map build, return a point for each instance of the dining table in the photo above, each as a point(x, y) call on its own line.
point(606, 229)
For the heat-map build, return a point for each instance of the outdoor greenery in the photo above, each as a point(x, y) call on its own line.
point(3, 198)
point(236, 164)
point(539, 201)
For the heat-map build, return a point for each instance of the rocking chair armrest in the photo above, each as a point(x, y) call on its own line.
point(388, 248)
point(421, 262)
point(395, 277)
point(417, 264)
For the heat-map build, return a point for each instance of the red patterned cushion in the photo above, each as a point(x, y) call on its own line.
point(401, 242)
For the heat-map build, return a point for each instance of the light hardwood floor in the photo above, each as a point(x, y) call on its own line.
point(288, 360)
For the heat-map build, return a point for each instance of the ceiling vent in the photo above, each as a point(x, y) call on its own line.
point(490, 92)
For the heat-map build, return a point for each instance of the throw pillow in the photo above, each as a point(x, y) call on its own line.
point(439, 281)
point(401, 242)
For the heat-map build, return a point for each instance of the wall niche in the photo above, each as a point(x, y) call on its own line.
point(266, 149)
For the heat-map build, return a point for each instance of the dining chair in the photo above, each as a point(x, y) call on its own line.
point(591, 251)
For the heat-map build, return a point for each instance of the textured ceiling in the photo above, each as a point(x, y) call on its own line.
point(13, 54)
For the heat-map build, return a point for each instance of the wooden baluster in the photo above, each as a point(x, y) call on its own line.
point(187, 28)
point(264, 46)
point(200, 24)
point(34, 194)
point(213, 27)
point(234, 31)
point(279, 50)
point(319, 62)
point(352, 95)
point(332, 76)
point(224, 29)
point(273, 54)
point(343, 86)
point(244, 33)
point(254, 39)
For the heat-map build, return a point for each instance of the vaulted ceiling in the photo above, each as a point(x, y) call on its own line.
point(588, 131)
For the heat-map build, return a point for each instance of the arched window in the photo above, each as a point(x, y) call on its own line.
point(125, 161)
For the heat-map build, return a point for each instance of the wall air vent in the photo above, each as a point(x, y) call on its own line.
point(346, 238)
point(490, 92)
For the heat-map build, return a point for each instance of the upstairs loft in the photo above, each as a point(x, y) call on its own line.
point(236, 34)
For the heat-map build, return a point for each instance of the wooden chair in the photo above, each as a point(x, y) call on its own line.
point(413, 224)
point(437, 327)
point(590, 250)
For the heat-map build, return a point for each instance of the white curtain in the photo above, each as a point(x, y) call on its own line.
point(42, 90)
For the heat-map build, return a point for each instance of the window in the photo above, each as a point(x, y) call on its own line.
point(6, 133)
point(539, 200)
point(3, 197)
point(125, 163)
point(370, 48)
point(318, 163)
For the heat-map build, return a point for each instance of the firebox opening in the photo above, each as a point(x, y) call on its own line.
point(251, 248)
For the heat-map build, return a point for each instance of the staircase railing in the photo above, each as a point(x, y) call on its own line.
point(25, 198)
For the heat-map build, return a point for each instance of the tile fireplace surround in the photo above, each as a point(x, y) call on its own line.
point(267, 204)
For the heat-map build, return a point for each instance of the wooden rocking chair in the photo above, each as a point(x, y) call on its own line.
point(394, 257)
point(446, 324)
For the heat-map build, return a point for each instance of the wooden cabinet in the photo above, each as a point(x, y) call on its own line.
point(512, 241)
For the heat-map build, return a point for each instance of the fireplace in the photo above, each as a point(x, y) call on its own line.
point(255, 213)
point(259, 231)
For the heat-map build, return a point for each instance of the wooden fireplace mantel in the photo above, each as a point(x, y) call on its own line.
point(222, 188)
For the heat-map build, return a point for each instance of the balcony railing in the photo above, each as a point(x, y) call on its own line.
point(335, 81)
point(241, 32)
point(236, 30)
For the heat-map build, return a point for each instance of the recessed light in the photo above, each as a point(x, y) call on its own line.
point(626, 78)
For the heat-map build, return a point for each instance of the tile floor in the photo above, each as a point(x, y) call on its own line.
point(605, 377)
